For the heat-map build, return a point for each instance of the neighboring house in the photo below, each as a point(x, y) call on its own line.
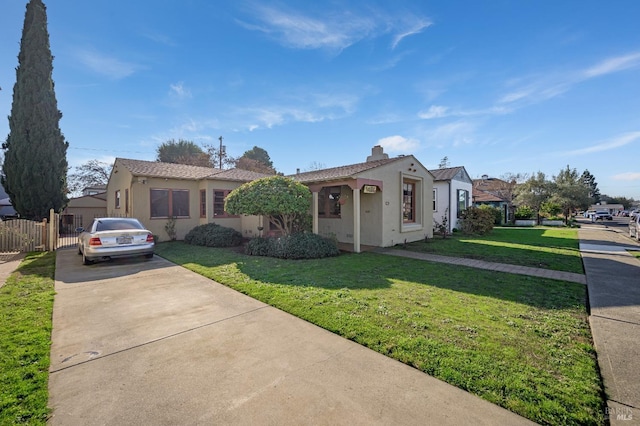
point(6, 208)
point(81, 210)
point(381, 202)
point(496, 193)
point(155, 192)
point(94, 190)
point(452, 189)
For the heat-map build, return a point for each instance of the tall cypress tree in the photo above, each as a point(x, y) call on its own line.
point(34, 172)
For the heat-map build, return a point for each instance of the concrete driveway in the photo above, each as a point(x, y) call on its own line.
point(148, 342)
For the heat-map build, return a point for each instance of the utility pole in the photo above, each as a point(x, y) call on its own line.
point(220, 151)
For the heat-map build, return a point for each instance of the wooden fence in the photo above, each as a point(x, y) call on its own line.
point(21, 235)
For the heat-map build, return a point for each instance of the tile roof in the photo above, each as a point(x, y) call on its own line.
point(446, 174)
point(342, 172)
point(185, 171)
point(480, 196)
point(238, 175)
point(166, 170)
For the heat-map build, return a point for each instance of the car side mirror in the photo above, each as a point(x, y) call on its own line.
point(80, 229)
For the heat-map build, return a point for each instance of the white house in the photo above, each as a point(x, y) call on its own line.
point(452, 189)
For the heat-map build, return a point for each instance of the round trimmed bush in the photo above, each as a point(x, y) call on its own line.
point(213, 235)
point(294, 246)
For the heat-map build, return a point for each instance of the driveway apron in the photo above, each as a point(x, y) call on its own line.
point(147, 342)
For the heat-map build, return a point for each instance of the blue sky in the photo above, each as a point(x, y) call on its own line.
point(497, 86)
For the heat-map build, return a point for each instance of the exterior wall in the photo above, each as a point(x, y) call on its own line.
point(341, 228)
point(447, 193)
point(443, 202)
point(140, 203)
point(392, 230)
point(455, 186)
point(87, 208)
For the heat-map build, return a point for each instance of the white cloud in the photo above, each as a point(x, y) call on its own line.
point(630, 176)
point(612, 65)
point(607, 145)
point(544, 86)
point(106, 65)
point(411, 29)
point(333, 30)
point(456, 134)
point(434, 111)
point(398, 144)
point(179, 91)
point(438, 111)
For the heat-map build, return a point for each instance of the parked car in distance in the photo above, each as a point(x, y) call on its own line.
point(634, 227)
point(589, 213)
point(603, 215)
point(112, 237)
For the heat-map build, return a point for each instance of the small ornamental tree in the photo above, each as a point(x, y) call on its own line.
point(282, 200)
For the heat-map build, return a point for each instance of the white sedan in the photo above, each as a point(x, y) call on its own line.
point(112, 237)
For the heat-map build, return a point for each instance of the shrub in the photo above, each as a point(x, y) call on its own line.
point(213, 235)
point(476, 221)
point(294, 246)
point(496, 212)
point(525, 212)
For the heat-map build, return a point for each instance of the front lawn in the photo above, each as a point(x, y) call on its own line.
point(549, 248)
point(26, 306)
point(520, 342)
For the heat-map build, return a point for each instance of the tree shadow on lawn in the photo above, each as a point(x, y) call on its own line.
point(372, 271)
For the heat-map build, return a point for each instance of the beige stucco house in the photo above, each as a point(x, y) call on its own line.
point(380, 202)
point(153, 192)
point(80, 211)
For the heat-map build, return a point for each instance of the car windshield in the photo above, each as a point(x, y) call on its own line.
point(113, 225)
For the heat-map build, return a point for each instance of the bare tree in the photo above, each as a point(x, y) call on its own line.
point(91, 173)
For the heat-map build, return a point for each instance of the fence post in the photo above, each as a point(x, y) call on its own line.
point(52, 231)
point(43, 237)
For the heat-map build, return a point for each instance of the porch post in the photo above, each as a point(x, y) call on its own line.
point(356, 220)
point(314, 212)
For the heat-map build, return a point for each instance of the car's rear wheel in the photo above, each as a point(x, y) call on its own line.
point(149, 256)
point(86, 261)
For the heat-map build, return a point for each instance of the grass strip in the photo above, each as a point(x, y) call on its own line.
point(520, 342)
point(548, 248)
point(26, 306)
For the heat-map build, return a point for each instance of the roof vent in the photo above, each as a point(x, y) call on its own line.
point(377, 153)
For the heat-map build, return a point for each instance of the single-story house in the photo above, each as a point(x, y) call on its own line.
point(154, 192)
point(80, 211)
point(381, 202)
point(452, 189)
point(494, 192)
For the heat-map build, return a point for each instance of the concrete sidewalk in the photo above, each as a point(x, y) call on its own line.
point(9, 262)
point(613, 281)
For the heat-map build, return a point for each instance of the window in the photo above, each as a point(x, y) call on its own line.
point(435, 200)
point(118, 199)
point(463, 200)
point(219, 196)
point(329, 202)
point(408, 201)
point(203, 203)
point(169, 203)
point(126, 201)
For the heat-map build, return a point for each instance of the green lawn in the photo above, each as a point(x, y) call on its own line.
point(26, 305)
point(523, 343)
point(549, 248)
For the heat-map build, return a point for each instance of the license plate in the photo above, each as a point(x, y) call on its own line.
point(124, 240)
